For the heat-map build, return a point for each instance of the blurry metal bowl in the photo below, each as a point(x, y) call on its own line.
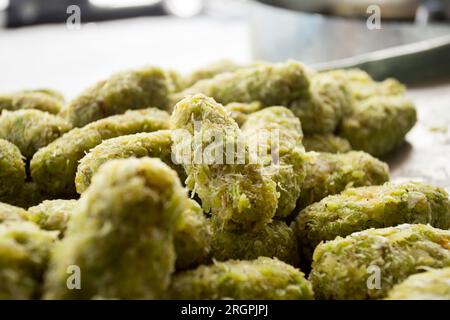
point(326, 40)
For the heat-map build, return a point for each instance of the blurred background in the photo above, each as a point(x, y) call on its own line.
point(68, 45)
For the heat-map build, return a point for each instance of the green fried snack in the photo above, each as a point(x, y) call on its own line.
point(52, 215)
point(433, 284)
point(239, 111)
point(275, 133)
point(348, 268)
point(121, 234)
point(31, 129)
point(379, 124)
point(326, 143)
point(328, 174)
point(54, 167)
point(12, 170)
point(43, 99)
point(154, 144)
point(12, 213)
point(138, 89)
point(362, 86)
point(276, 84)
point(210, 71)
point(260, 279)
point(357, 209)
point(274, 240)
point(322, 107)
point(52, 93)
point(24, 253)
point(212, 150)
point(192, 237)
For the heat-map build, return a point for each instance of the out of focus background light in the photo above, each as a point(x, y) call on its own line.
point(122, 3)
point(4, 4)
point(184, 8)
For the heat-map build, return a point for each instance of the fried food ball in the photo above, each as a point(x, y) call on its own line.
point(357, 209)
point(41, 99)
point(31, 129)
point(12, 213)
point(270, 84)
point(192, 237)
point(24, 254)
point(52, 215)
point(433, 284)
point(379, 124)
point(362, 86)
point(260, 279)
point(209, 144)
point(239, 110)
point(136, 89)
point(323, 106)
point(328, 174)
point(121, 233)
point(276, 134)
point(154, 144)
point(54, 167)
point(367, 264)
point(274, 240)
point(326, 143)
point(209, 71)
point(12, 170)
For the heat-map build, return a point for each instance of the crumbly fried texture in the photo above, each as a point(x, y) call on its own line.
point(31, 129)
point(362, 86)
point(238, 194)
point(192, 237)
point(24, 253)
point(52, 215)
point(137, 89)
point(260, 279)
point(154, 144)
point(358, 209)
point(54, 167)
point(283, 141)
point(12, 213)
point(379, 124)
point(12, 170)
point(121, 233)
point(239, 111)
point(328, 174)
point(209, 71)
point(433, 284)
point(326, 143)
point(342, 268)
point(270, 84)
point(42, 99)
point(274, 240)
point(322, 107)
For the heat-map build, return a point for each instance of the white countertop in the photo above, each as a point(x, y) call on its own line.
point(69, 60)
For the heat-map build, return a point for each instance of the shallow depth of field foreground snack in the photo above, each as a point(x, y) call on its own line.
point(54, 167)
point(263, 278)
point(434, 284)
point(357, 209)
point(121, 234)
point(239, 195)
point(367, 264)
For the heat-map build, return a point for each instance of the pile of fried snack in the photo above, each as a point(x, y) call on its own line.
point(93, 205)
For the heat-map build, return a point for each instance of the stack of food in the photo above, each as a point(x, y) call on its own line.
point(233, 182)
